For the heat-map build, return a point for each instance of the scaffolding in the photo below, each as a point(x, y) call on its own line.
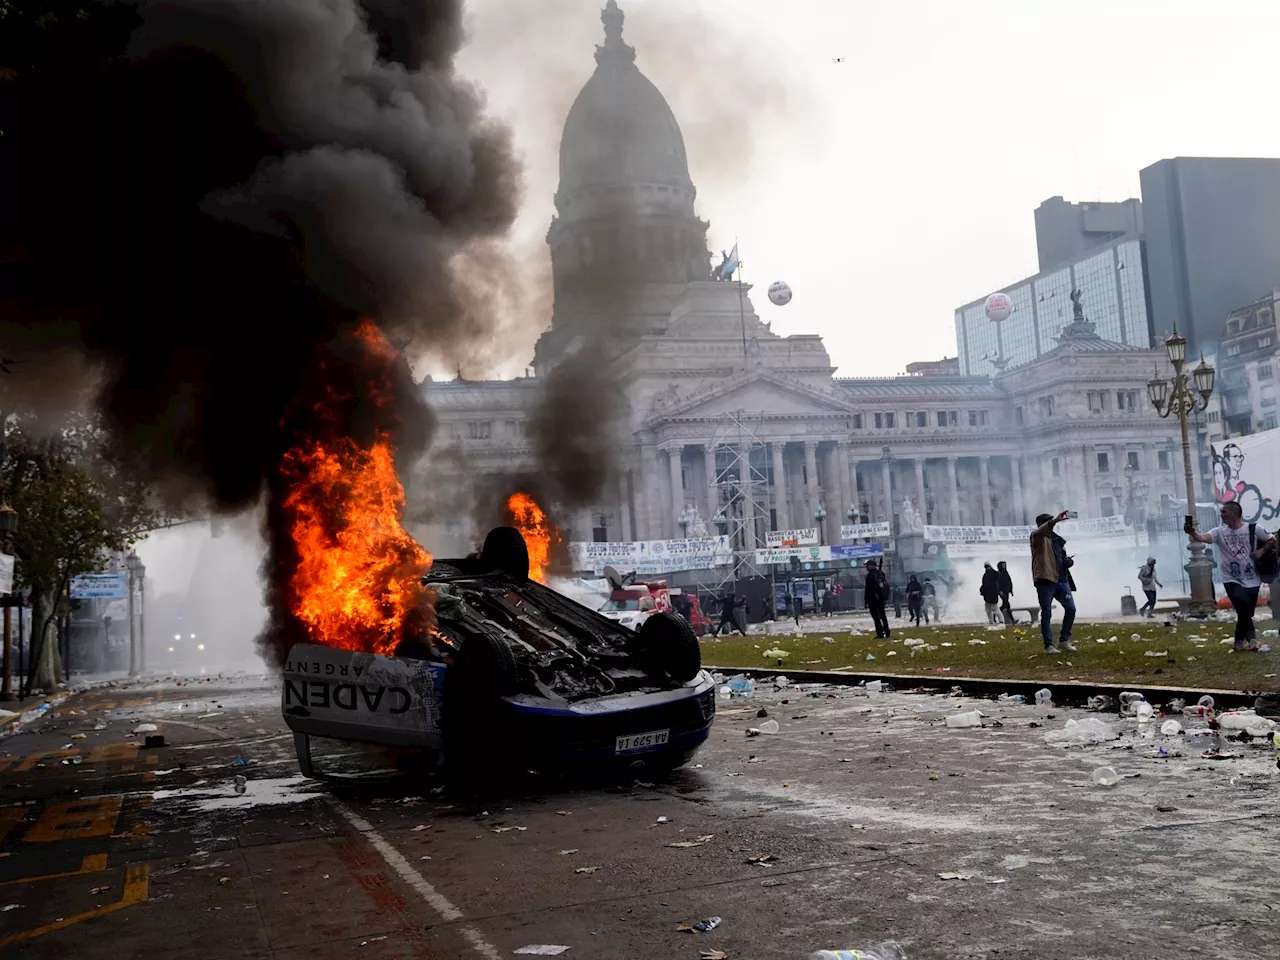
point(739, 493)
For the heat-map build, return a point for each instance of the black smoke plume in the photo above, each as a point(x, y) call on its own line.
point(228, 187)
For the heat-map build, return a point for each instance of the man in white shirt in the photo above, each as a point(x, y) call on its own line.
point(1238, 546)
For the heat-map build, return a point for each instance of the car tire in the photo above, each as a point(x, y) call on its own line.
point(505, 550)
point(478, 747)
point(667, 645)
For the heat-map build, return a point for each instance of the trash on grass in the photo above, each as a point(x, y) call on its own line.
point(776, 654)
point(542, 950)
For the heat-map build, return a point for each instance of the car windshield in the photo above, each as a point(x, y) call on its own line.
point(612, 606)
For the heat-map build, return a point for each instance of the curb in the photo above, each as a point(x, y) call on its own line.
point(1065, 693)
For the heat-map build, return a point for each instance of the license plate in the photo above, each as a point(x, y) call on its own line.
point(642, 741)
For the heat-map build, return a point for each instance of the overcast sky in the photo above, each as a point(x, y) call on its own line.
point(893, 186)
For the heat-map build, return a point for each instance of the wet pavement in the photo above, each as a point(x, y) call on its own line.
point(109, 848)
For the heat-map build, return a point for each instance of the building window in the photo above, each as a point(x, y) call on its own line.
point(977, 418)
point(1126, 399)
point(1264, 371)
point(1269, 422)
point(922, 419)
point(1057, 470)
point(942, 418)
point(1108, 507)
point(1162, 459)
point(1046, 406)
point(1233, 350)
point(600, 534)
point(684, 479)
point(1264, 341)
point(1104, 463)
point(888, 420)
point(1268, 394)
point(879, 421)
point(1095, 401)
point(857, 421)
point(1017, 416)
point(1132, 457)
point(480, 430)
point(1211, 416)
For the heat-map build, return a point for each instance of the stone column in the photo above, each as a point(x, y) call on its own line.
point(886, 481)
point(847, 496)
point(921, 509)
point(674, 454)
point(713, 491)
point(1019, 507)
point(984, 480)
point(624, 503)
point(953, 490)
point(810, 481)
point(645, 489)
point(1086, 509)
point(779, 484)
point(582, 525)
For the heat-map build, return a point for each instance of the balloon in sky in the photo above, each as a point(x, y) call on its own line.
point(779, 293)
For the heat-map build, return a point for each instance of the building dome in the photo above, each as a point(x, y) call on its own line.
point(620, 131)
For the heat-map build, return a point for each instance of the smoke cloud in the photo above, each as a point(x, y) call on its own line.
point(230, 192)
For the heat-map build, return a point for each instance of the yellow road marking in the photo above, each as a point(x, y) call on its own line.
point(94, 863)
point(76, 820)
point(135, 891)
point(10, 817)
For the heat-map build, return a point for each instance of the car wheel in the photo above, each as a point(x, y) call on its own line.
point(478, 750)
point(667, 645)
point(505, 550)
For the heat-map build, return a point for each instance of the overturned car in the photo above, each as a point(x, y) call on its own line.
point(513, 675)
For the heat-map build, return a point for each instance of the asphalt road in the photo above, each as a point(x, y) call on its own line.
point(859, 802)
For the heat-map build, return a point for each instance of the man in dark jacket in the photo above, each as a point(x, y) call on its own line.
point(1006, 590)
point(990, 590)
point(1051, 573)
point(874, 594)
point(915, 600)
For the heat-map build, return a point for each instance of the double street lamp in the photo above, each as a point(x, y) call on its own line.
point(137, 632)
point(820, 514)
point(8, 527)
point(1178, 396)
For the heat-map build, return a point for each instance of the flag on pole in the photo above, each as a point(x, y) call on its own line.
point(730, 265)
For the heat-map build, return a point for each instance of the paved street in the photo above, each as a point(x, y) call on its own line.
point(111, 849)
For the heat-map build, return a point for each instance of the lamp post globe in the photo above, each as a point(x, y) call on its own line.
point(1176, 346)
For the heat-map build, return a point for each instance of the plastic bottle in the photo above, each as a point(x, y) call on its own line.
point(888, 950)
point(1100, 703)
point(1143, 711)
point(241, 784)
point(1043, 697)
point(874, 686)
point(769, 726)
point(1129, 703)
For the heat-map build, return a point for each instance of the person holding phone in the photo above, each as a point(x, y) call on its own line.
point(1246, 555)
point(1051, 573)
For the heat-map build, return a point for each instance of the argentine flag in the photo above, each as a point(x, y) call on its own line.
point(730, 265)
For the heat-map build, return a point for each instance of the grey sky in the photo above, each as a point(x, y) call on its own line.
point(891, 187)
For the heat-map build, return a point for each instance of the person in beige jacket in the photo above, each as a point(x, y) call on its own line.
point(1051, 572)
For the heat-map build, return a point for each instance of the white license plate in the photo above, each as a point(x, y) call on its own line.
point(643, 741)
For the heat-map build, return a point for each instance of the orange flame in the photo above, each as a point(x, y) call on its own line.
point(539, 533)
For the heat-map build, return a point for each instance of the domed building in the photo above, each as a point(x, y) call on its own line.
point(733, 431)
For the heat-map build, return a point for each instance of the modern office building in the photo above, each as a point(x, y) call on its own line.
point(1212, 240)
point(1247, 361)
point(1113, 289)
point(1066, 231)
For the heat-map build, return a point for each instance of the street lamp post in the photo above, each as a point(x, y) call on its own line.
point(1178, 396)
point(8, 527)
point(132, 563)
point(820, 515)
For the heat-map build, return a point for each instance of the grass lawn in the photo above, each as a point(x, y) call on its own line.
point(1018, 653)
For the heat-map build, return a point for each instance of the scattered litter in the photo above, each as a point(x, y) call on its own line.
point(1156, 653)
point(871, 656)
point(586, 869)
point(78, 736)
point(1044, 697)
point(97, 890)
point(1170, 728)
point(702, 926)
point(955, 876)
point(1105, 777)
point(1080, 732)
point(1144, 712)
point(1166, 809)
point(565, 853)
point(241, 784)
point(223, 881)
point(542, 950)
point(767, 858)
point(364, 943)
point(424, 857)
point(740, 685)
point(713, 955)
point(664, 819)
point(1247, 721)
point(685, 844)
point(970, 718)
point(1137, 637)
point(776, 654)
point(240, 762)
point(420, 827)
point(145, 728)
point(999, 880)
point(10, 906)
point(769, 726)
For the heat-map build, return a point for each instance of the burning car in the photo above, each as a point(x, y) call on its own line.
point(510, 675)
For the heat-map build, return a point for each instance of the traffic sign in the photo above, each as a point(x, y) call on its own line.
point(100, 586)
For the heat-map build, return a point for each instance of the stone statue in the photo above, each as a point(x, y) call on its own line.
point(911, 522)
point(1077, 308)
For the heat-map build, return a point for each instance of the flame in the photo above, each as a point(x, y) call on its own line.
point(539, 533)
point(357, 580)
